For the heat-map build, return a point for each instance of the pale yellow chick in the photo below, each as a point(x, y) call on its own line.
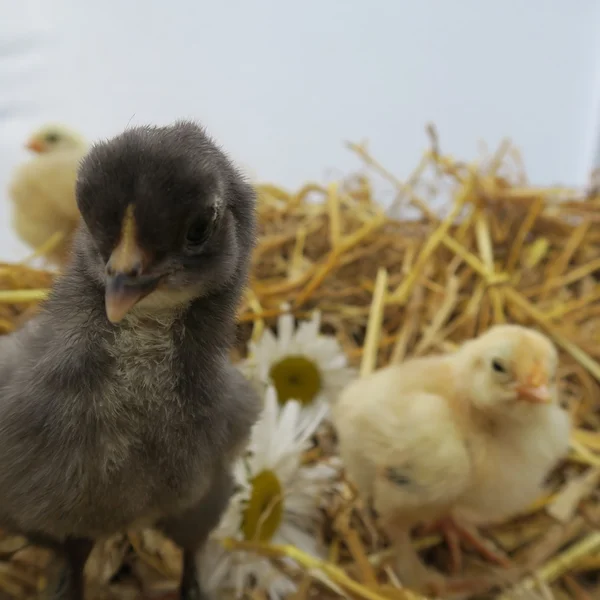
point(42, 191)
point(469, 436)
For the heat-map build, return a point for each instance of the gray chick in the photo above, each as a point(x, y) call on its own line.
point(119, 407)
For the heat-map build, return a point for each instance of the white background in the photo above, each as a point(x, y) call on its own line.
point(282, 84)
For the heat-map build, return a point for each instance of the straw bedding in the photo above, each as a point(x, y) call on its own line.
point(390, 287)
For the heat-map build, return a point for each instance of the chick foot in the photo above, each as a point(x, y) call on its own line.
point(432, 583)
point(191, 589)
point(453, 533)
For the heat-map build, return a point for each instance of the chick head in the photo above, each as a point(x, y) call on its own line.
point(53, 137)
point(169, 216)
point(510, 367)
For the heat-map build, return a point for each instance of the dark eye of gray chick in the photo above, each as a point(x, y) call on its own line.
point(164, 207)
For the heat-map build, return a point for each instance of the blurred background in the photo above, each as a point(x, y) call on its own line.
point(282, 85)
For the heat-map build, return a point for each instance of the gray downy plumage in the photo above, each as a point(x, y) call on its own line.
point(106, 426)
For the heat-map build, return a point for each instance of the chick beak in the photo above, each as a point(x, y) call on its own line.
point(34, 145)
point(126, 282)
point(535, 388)
point(123, 292)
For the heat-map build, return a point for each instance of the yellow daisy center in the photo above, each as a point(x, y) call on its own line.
point(264, 512)
point(297, 378)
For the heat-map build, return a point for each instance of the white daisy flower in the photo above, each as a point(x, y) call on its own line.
point(277, 501)
point(301, 363)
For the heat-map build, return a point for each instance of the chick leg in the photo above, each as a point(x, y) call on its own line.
point(191, 530)
point(412, 571)
point(69, 581)
point(453, 532)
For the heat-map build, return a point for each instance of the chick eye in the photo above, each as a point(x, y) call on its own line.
point(498, 366)
point(52, 137)
point(198, 231)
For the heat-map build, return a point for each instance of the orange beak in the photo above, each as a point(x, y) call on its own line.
point(34, 145)
point(535, 389)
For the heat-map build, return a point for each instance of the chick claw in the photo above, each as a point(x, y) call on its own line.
point(453, 533)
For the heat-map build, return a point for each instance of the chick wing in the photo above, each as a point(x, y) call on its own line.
point(403, 449)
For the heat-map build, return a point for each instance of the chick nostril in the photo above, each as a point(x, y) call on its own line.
point(134, 270)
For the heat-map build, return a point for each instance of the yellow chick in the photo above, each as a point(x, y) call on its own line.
point(43, 191)
point(463, 438)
